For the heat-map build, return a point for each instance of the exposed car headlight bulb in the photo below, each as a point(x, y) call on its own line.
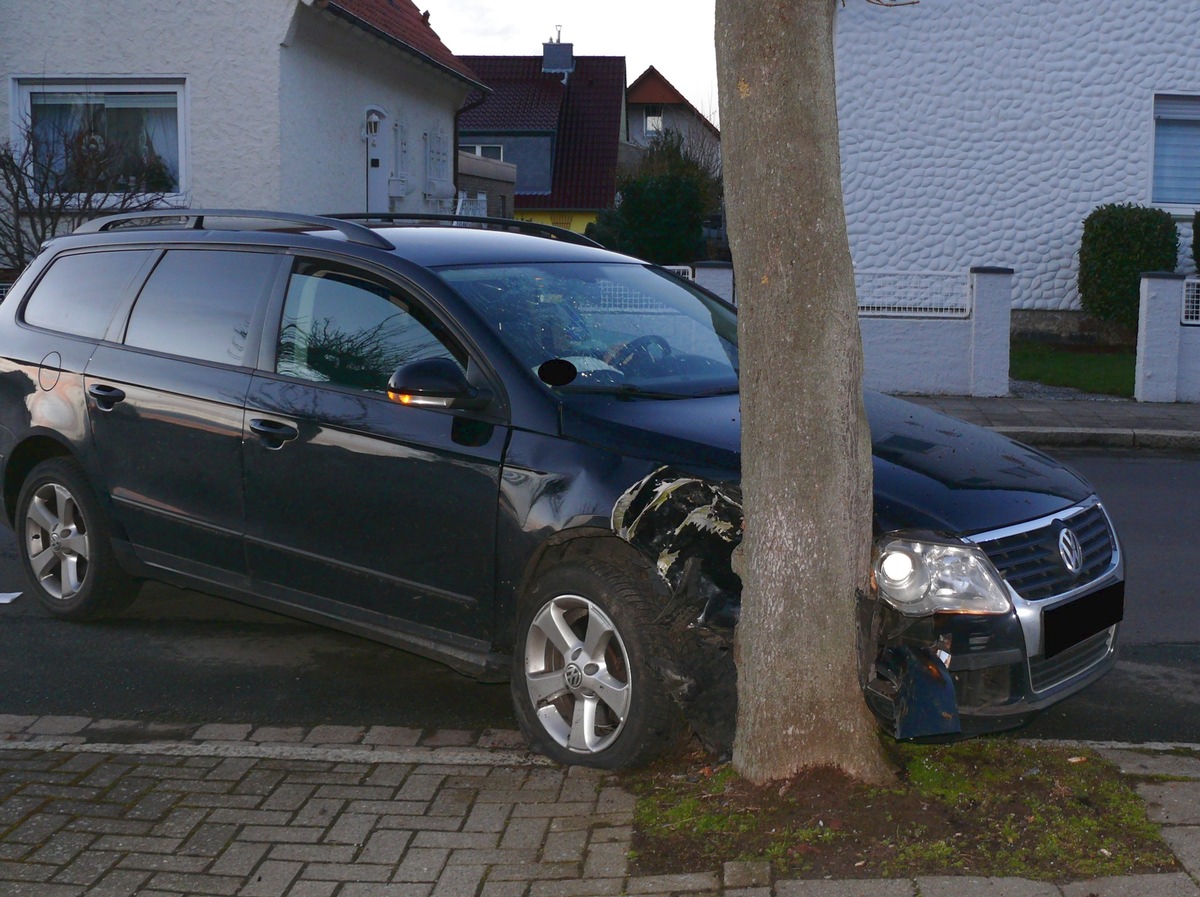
point(920, 577)
point(902, 575)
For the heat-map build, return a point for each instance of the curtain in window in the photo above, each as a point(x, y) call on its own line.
point(119, 140)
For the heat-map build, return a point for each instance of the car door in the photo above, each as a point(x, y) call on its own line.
point(358, 506)
point(165, 401)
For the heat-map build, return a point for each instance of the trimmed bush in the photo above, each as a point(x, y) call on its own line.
point(1120, 243)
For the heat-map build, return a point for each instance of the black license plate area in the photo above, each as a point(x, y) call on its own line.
point(1069, 624)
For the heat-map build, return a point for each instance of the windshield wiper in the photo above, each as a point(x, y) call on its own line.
point(623, 391)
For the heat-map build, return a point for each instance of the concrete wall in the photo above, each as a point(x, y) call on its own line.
point(496, 179)
point(275, 91)
point(225, 51)
point(926, 354)
point(332, 73)
point(974, 129)
point(1168, 351)
point(944, 356)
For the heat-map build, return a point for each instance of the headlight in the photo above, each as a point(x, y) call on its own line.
point(920, 577)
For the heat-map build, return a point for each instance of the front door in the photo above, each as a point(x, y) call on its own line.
point(356, 505)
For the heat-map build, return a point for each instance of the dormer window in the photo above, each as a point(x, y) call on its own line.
point(654, 120)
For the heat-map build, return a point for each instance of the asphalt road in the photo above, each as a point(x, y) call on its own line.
point(180, 657)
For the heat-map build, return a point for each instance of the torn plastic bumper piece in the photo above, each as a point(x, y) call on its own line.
point(923, 698)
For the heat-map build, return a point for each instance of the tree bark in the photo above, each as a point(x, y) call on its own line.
point(806, 458)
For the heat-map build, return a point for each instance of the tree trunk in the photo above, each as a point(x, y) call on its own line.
point(806, 459)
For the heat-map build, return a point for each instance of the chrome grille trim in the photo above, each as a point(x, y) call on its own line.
point(1027, 557)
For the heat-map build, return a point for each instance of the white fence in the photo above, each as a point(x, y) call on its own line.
point(923, 333)
point(936, 334)
point(1168, 346)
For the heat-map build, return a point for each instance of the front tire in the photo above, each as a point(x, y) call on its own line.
point(65, 547)
point(583, 683)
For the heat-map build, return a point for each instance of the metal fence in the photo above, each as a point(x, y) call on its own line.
point(925, 295)
point(1190, 313)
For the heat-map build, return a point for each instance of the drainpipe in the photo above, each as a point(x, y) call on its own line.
point(457, 115)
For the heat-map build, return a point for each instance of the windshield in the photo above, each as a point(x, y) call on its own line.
point(624, 329)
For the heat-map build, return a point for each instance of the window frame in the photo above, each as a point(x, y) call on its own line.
point(25, 87)
point(1175, 206)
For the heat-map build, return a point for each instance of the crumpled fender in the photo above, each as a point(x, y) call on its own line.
point(688, 527)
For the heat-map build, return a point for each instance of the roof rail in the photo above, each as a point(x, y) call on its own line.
point(355, 233)
point(526, 227)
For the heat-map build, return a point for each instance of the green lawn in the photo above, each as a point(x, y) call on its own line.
point(1086, 368)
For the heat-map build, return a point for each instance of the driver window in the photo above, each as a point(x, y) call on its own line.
point(349, 328)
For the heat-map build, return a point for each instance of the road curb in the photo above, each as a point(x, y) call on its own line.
point(1082, 437)
point(442, 756)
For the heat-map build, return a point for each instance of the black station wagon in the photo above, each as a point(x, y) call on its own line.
point(500, 446)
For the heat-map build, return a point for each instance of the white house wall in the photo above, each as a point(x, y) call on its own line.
point(983, 133)
point(226, 50)
point(332, 73)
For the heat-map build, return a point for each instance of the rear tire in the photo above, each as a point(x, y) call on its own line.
point(584, 684)
point(65, 544)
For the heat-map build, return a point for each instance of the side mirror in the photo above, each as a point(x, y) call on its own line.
point(435, 383)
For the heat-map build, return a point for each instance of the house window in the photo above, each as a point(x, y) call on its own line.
point(486, 150)
point(654, 119)
point(106, 135)
point(1176, 150)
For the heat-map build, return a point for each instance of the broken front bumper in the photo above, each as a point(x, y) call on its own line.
point(953, 673)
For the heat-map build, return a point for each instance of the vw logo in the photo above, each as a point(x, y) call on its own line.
point(574, 676)
point(1070, 550)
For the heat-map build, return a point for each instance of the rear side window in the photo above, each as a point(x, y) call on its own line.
point(199, 303)
point(78, 293)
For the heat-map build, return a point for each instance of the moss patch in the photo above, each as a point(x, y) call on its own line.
point(983, 807)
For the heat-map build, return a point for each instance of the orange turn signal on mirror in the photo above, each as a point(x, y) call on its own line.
point(402, 397)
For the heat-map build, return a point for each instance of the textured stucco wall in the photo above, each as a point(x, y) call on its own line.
point(983, 133)
point(276, 91)
point(225, 49)
point(332, 73)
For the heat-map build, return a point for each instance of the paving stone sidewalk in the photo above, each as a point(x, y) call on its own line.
point(376, 811)
point(1078, 420)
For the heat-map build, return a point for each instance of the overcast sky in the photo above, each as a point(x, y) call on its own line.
point(674, 37)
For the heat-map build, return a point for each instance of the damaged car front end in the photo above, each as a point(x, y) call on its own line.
point(997, 580)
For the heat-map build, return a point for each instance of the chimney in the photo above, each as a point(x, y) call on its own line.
point(558, 58)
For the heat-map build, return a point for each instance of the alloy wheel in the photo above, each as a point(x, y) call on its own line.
point(56, 541)
point(577, 674)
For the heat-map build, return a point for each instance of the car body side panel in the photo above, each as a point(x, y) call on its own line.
point(171, 456)
point(400, 500)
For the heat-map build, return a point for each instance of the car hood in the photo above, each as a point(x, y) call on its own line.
point(931, 471)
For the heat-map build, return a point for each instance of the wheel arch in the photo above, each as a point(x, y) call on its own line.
point(27, 455)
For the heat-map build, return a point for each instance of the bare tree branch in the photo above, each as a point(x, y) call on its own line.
point(52, 180)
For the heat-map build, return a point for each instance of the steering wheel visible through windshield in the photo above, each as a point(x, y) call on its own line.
point(604, 327)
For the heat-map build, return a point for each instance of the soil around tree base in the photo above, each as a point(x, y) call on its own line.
point(990, 807)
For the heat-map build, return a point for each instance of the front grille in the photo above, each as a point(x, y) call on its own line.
point(1030, 562)
point(1044, 674)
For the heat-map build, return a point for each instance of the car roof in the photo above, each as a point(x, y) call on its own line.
point(429, 241)
point(440, 246)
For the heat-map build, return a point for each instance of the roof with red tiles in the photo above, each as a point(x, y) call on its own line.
point(400, 22)
point(585, 114)
point(650, 87)
point(522, 97)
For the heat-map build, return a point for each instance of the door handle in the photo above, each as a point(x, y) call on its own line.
point(106, 396)
point(272, 432)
